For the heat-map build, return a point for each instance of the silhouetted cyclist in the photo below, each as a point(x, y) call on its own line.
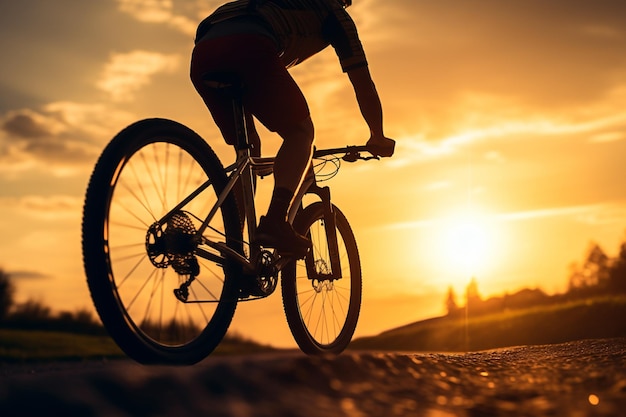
point(258, 41)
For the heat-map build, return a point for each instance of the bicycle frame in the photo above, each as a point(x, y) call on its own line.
point(244, 170)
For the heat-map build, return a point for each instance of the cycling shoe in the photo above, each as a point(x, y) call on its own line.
point(282, 237)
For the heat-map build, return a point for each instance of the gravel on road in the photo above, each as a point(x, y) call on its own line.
point(584, 378)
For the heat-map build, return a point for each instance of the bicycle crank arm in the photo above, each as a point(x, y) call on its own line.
point(225, 252)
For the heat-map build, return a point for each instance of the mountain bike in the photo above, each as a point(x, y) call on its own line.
point(167, 236)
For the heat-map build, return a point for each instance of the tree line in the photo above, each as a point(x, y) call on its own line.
point(33, 314)
point(598, 274)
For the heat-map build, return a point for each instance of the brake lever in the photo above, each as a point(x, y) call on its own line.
point(351, 156)
point(354, 156)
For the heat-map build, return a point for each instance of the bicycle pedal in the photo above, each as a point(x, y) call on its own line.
point(251, 292)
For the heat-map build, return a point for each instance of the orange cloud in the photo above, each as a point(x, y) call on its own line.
point(158, 11)
point(126, 73)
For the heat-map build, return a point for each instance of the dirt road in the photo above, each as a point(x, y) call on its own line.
point(586, 378)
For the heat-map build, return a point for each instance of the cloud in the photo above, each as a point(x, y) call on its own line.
point(27, 275)
point(550, 212)
point(30, 136)
point(604, 32)
point(125, 73)
point(28, 124)
point(602, 213)
point(62, 138)
point(86, 119)
point(158, 12)
point(607, 137)
point(546, 56)
point(53, 207)
point(608, 212)
point(496, 121)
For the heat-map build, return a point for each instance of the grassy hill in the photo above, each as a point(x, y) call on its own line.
point(17, 345)
point(600, 317)
point(41, 345)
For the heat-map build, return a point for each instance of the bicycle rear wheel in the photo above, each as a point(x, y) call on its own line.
point(323, 313)
point(134, 261)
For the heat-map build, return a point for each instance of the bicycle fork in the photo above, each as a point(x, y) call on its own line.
point(330, 227)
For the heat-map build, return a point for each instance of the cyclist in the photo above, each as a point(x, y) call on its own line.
point(259, 40)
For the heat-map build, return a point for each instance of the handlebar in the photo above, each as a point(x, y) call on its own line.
point(351, 153)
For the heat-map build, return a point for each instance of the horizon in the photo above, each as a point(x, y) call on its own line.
point(510, 121)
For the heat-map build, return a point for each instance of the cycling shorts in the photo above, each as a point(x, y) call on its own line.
point(271, 94)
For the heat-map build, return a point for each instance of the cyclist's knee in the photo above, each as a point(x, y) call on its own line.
point(303, 133)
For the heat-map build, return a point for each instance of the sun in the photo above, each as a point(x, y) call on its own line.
point(466, 242)
point(466, 245)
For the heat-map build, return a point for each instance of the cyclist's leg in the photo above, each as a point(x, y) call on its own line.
point(274, 98)
point(271, 94)
point(277, 101)
point(223, 55)
point(294, 156)
point(220, 55)
point(290, 165)
point(292, 160)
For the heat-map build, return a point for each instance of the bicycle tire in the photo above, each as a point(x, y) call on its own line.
point(141, 175)
point(322, 316)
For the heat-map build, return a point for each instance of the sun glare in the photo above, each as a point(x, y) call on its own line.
point(466, 242)
point(466, 245)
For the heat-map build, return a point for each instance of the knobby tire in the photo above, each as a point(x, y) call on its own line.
point(141, 175)
point(323, 316)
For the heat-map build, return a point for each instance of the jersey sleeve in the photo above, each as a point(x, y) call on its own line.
point(340, 31)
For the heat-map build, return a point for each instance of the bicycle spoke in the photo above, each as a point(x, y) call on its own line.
point(134, 298)
point(143, 200)
point(131, 271)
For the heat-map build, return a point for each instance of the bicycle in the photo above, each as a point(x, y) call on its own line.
point(167, 252)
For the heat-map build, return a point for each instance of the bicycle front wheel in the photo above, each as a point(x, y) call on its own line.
point(136, 257)
point(322, 312)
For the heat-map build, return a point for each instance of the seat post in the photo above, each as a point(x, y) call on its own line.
point(241, 128)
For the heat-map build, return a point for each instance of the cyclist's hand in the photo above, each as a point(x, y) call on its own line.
point(381, 146)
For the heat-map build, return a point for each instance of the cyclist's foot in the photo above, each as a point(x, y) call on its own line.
point(381, 147)
point(281, 236)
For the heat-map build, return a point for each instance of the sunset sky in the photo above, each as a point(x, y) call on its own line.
point(509, 116)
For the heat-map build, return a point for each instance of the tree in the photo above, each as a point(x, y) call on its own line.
point(471, 292)
point(451, 305)
point(7, 291)
point(31, 311)
point(594, 273)
point(617, 274)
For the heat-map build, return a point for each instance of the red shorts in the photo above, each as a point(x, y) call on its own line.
point(271, 94)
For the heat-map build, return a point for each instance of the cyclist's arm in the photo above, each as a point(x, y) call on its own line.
point(368, 99)
point(371, 109)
